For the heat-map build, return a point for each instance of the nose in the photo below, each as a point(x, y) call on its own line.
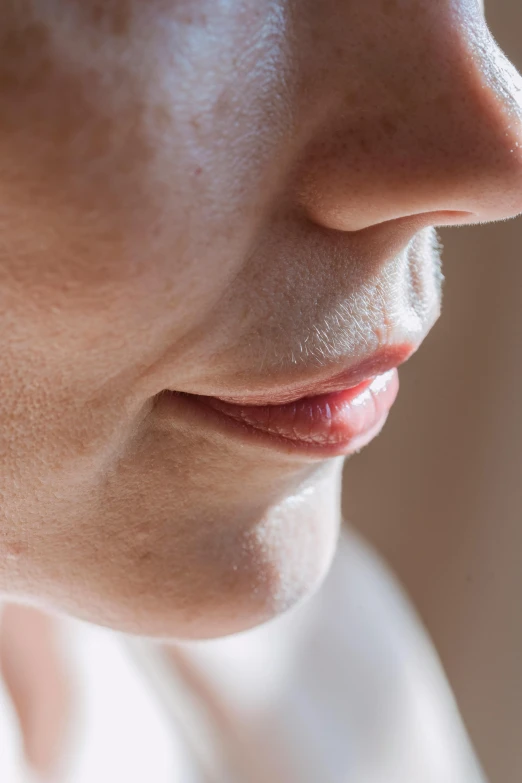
point(418, 112)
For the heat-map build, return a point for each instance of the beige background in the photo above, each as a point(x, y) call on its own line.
point(440, 492)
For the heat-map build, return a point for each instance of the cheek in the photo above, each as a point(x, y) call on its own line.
point(118, 192)
point(112, 172)
point(124, 228)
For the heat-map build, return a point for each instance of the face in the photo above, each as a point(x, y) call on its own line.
point(217, 220)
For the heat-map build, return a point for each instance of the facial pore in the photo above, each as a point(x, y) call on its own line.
point(215, 197)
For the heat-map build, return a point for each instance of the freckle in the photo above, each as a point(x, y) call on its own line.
point(117, 19)
point(364, 145)
point(15, 551)
point(197, 171)
point(389, 126)
point(121, 20)
point(97, 13)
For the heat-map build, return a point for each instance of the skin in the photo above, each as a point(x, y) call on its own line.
point(37, 679)
point(215, 198)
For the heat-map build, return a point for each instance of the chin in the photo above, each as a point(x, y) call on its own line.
point(233, 585)
point(216, 575)
point(282, 562)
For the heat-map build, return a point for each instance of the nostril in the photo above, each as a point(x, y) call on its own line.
point(453, 218)
point(439, 217)
point(414, 221)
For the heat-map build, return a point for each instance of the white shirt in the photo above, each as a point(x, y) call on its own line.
point(346, 688)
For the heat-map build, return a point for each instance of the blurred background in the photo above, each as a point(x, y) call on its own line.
point(448, 515)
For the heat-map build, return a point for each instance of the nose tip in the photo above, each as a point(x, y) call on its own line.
point(497, 151)
point(447, 143)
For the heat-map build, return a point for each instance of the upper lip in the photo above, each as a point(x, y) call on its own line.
point(378, 363)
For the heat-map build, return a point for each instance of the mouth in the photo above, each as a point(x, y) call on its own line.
point(328, 417)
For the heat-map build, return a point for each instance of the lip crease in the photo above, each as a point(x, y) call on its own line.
point(380, 362)
point(329, 417)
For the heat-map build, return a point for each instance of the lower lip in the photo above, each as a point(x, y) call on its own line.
point(329, 425)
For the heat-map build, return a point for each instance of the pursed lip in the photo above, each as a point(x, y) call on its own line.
point(320, 427)
point(318, 419)
point(383, 360)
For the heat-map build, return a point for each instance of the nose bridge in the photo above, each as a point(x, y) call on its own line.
point(434, 124)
